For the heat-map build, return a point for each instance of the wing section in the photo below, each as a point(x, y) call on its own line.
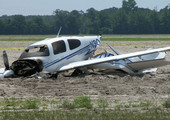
point(142, 65)
point(112, 58)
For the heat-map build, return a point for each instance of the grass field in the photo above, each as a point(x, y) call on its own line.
point(104, 37)
point(136, 39)
point(81, 108)
point(151, 114)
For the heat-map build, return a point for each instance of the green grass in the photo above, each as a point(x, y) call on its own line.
point(68, 105)
point(104, 37)
point(151, 114)
point(30, 104)
point(83, 102)
point(136, 39)
point(79, 102)
point(166, 103)
point(102, 103)
point(14, 104)
point(81, 108)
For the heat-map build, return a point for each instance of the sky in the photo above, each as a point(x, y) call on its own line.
point(47, 7)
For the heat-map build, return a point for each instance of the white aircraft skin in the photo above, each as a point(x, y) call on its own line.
point(65, 53)
point(54, 62)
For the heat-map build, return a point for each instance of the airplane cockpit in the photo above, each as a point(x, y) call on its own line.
point(35, 50)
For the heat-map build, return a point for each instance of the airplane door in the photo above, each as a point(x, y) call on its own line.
point(58, 53)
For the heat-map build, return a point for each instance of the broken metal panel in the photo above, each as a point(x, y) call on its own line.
point(26, 67)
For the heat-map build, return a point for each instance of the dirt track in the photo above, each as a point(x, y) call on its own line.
point(110, 86)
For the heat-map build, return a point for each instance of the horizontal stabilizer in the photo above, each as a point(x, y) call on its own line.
point(142, 65)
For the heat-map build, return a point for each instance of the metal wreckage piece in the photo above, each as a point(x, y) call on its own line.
point(26, 67)
point(20, 67)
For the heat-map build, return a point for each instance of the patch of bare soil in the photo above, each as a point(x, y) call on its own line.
point(110, 86)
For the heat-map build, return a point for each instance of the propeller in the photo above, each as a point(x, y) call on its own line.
point(6, 62)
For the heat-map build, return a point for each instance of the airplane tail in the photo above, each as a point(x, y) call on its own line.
point(100, 36)
point(98, 40)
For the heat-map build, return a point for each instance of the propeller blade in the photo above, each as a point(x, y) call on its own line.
point(6, 62)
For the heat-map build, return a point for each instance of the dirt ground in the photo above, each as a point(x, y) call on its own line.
point(109, 86)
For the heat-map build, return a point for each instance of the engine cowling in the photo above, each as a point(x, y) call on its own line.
point(26, 67)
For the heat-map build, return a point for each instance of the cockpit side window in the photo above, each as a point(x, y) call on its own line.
point(59, 47)
point(73, 43)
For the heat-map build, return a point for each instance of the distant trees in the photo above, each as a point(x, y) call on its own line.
point(164, 17)
point(129, 6)
point(129, 19)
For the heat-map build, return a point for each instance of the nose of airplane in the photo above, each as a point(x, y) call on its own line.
point(26, 67)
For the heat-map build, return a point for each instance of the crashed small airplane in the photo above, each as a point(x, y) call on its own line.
point(54, 55)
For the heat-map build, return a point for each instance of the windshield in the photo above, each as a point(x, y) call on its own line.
point(35, 51)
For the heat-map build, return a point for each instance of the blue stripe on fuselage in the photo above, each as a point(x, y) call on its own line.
point(67, 57)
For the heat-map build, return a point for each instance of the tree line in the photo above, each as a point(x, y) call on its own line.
point(129, 19)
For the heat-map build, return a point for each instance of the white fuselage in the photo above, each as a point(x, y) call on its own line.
point(65, 50)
